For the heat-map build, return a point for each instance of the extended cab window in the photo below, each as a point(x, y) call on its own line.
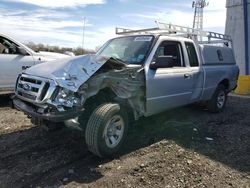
point(173, 49)
point(193, 59)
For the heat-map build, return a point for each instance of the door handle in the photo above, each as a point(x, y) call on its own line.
point(187, 76)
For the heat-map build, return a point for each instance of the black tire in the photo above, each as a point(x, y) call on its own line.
point(218, 101)
point(98, 134)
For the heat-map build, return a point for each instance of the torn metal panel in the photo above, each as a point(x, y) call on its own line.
point(127, 83)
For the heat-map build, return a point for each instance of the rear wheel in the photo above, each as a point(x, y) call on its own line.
point(106, 130)
point(218, 101)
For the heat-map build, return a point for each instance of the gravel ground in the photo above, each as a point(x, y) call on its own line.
point(185, 147)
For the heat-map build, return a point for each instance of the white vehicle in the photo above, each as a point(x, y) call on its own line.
point(15, 57)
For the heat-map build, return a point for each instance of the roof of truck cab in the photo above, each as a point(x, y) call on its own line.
point(174, 37)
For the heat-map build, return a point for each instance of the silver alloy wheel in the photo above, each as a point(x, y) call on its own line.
point(221, 99)
point(113, 131)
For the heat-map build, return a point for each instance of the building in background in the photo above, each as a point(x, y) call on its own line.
point(238, 27)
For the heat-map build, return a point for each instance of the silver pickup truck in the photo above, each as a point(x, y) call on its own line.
point(15, 57)
point(131, 76)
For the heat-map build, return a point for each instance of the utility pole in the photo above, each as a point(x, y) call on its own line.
point(199, 5)
point(83, 34)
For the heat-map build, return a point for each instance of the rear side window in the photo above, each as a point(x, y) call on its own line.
point(193, 59)
point(220, 56)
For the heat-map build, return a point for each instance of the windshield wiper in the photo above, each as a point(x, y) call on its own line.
point(118, 59)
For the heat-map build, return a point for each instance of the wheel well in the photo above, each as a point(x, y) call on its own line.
point(225, 82)
point(106, 95)
point(103, 96)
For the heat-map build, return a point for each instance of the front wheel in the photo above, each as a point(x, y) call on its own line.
point(106, 130)
point(218, 101)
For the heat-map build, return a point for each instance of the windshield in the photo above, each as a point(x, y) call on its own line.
point(130, 50)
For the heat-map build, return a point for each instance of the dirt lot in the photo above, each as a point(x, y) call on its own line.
point(187, 147)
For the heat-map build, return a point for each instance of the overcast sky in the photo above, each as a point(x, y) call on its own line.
point(60, 22)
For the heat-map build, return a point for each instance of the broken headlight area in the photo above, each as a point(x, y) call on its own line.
point(67, 98)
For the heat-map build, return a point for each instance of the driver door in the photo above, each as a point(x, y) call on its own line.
point(168, 87)
point(12, 63)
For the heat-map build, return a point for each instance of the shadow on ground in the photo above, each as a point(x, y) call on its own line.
point(5, 101)
point(35, 158)
point(222, 137)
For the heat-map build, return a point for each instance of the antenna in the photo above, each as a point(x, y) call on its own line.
point(83, 34)
point(199, 5)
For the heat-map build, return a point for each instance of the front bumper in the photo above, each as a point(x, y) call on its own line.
point(30, 110)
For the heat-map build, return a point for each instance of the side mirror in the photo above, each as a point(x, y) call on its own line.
point(22, 51)
point(162, 62)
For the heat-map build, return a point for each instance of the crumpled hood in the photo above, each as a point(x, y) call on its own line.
point(69, 73)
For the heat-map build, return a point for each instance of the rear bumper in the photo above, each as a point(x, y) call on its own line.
point(54, 117)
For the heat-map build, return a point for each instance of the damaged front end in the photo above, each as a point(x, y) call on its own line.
point(58, 91)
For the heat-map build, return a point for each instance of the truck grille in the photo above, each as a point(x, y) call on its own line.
point(33, 89)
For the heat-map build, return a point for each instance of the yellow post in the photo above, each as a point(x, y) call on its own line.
point(243, 85)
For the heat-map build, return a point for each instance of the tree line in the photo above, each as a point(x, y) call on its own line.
point(57, 49)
